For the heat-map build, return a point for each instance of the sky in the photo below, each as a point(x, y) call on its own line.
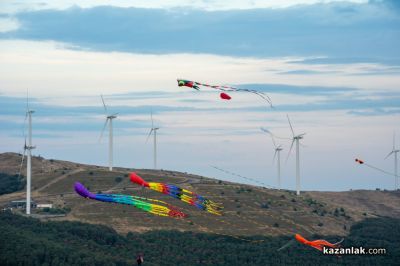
point(332, 66)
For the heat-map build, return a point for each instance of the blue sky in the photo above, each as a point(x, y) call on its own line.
point(333, 66)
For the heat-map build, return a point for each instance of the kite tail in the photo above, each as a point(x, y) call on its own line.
point(187, 196)
point(323, 243)
point(138, 202)
point(184, 195)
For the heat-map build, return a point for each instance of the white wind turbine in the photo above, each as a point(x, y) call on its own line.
point(278, 149)
point(153, 129)
point(109, 119)
point(296, 138)
point(28, 148)
point(394, 151)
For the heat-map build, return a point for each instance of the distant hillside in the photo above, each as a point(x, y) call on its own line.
point(27, 241)
point(248, 210)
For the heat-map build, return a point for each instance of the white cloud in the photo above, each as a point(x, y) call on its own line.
point(17, 6)
point(49, 70)
point(8, 24)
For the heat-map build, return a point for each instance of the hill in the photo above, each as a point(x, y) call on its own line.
point(27, 241)
point(248, 210)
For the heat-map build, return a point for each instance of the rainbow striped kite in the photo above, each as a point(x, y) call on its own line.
point(181, 194)
point(138, 202)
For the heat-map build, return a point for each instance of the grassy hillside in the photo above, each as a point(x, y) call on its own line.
point(28, 241)
point(248, 210)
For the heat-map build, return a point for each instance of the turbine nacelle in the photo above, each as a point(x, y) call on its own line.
point(301, 136)
point(112, 116)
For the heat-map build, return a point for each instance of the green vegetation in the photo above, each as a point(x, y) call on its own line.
point(64, 210)
point(10, 183)
point(27, 241)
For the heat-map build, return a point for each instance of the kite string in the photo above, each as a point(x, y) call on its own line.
point(282, 217)
point(229, 89)
point(378, 169)
point(244, 177)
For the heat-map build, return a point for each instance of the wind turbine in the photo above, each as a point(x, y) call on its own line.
point(278, 149)
point(394, 151)
point(296, 138)
point(109, 118)
point(153, 129)
point(28, 148)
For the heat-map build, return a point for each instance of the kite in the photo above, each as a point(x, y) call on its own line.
point(138, 202)
point(196, 85)
point(179, 193)
point(225, 96)
point(317, 244)
point(373, 167)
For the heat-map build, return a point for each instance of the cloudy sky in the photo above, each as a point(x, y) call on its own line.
point(333, 66)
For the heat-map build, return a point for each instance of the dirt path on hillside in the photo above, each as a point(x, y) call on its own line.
point(61, 177)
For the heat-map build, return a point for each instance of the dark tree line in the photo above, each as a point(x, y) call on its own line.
point(10, 183)
point(27, 241)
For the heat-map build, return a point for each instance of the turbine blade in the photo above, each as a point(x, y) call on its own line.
point(270, 133)
point(102, 131)
point(104, 104)
point(265, 130)
point(290, 124)
point(389, 154)
point(273, 159)
point(273, 141)
point(148, 136)
point(394, 140)
point(151, 116)
point(24, 125)
point(22, 160)
point(27, 100)
point(290, 150)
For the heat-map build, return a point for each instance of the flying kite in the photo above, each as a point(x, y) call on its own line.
point(179, 193)
point(138, 202)
point(196, 85)
point(317, 244)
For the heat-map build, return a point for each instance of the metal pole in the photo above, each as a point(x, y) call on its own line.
point(279, 169)
point(396, 177)
point(155, 149)
point(110, 148)
point(28, 165)
point(297, 167)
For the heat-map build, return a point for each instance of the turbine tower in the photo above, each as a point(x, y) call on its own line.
point(28, 148)
point(109, 119)
point(296, 138)
point(153, 129)
point(278, 149)
point(394, 151)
